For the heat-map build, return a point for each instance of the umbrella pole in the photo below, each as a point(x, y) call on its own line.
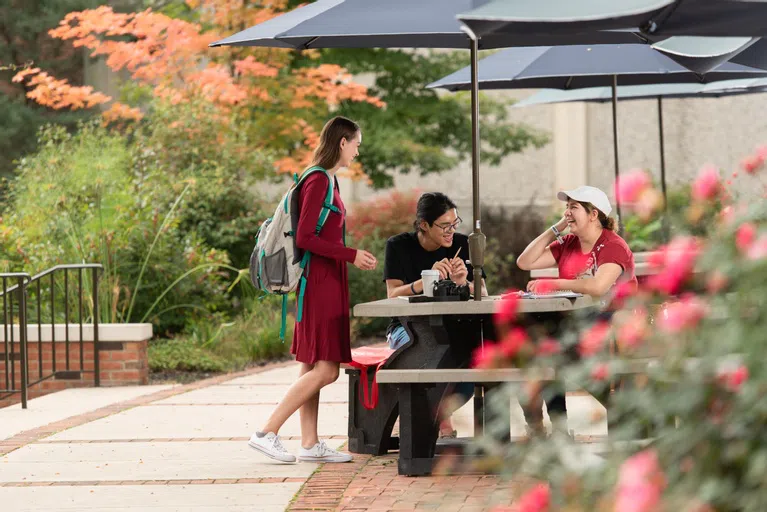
point(615, 150)
point(476, 238)
point(663, 170)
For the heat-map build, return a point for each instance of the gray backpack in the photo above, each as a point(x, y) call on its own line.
point(277, 265)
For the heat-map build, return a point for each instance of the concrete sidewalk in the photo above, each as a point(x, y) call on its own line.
point(184, 448)
point(165, 448)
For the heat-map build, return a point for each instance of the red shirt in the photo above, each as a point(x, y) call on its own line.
point(609, 248)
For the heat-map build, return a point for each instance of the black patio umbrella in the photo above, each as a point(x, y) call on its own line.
point(655, 18)
point(702, 54)
point(577, 67)
point(659, 92)
point(404, 24)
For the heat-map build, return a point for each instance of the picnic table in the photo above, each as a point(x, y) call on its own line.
point(443, 335)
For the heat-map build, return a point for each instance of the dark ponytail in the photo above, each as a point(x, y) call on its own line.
point(431, 206)
point(607, 222)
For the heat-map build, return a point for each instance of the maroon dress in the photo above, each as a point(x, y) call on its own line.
point(323, 332)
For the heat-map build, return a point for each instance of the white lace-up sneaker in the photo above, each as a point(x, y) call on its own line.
point(271, 446)
point(321, 452)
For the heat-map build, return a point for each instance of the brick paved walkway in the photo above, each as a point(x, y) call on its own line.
point(372, 484)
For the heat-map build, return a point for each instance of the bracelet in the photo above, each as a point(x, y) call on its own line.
point(412, 287)
point(557, 234)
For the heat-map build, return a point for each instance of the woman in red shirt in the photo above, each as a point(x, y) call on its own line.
point(321, 340)
point(591, 259)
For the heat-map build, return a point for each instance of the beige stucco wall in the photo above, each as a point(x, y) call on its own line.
point(719, 131)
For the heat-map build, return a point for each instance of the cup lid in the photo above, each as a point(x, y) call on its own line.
point(430, 272)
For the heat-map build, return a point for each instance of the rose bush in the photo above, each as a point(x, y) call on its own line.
point(688, 434)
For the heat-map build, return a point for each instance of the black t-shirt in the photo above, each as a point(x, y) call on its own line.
point(406, 258)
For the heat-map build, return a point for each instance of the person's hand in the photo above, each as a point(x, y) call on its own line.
point(444, 267)
point(561, 225)
point(459, 271)
point(543, 286)
point(364, 260)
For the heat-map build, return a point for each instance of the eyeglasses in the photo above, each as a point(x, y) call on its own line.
point(449, 227)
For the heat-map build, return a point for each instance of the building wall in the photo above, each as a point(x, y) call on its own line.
point(718, 131)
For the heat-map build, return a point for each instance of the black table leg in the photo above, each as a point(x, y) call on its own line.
point(417, 430)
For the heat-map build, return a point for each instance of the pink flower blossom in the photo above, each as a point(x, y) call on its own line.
point(536, 499)
point(600, 372)
point(758, 249)
point(733, 379)
point(507, 309)
point(683, 314)
point(593, 340)
point(630, 186)
point(486, 355)
point(744, 236)
point(634, 330)
point(548, 347)
point(640, 483)
point(513, 342)
point(676, 262)
point(707, 185)
point(753, 163)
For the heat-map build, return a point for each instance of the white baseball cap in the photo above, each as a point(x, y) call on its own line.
point(587, 194)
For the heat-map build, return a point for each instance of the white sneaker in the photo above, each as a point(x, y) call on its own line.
point(321, 452)
point(271, 446)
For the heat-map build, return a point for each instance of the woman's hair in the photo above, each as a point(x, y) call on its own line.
point(607, 222)
point(328, 152)
point(431, 206)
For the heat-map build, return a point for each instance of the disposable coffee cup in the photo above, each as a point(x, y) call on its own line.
point(429, 277)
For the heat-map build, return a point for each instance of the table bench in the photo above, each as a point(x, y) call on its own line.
point(418, 428)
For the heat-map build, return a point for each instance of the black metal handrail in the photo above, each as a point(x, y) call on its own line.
point(30, 290)
point(8, 359)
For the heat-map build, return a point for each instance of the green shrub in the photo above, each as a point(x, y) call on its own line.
point(181, 355)
point(689, 433)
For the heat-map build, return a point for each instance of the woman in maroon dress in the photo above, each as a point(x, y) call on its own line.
point(321, 340)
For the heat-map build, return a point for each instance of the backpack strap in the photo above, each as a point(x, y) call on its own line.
point(327, 207)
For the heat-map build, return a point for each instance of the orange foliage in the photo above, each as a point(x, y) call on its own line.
point(172, 58)
point(58, 94)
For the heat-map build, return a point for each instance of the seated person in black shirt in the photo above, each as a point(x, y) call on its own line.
point(433, 245)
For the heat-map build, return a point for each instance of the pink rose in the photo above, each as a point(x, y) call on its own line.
point(632, 332)
point(676, 262)
point(513, 342)
point(733, 379)
point(744, 236)
point(640, 483)
point(536, 499)
point(548, 347)
point(600, 372)
point(753, 163)
point(758, 249)
point(486, 355)
point(506, 311)
point(593, 340)
point(707, 185)
point(683, 314)
point(630, 186)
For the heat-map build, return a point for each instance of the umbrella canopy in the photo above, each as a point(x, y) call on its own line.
point(393, 24)
point(702, 54)
point(718, 18)
point(638, 92)
point(580, 66)
point(575, 67)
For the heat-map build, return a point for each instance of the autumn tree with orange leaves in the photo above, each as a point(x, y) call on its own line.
point(250, 90)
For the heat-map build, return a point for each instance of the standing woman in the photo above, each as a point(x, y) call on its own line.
point(321, 340)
